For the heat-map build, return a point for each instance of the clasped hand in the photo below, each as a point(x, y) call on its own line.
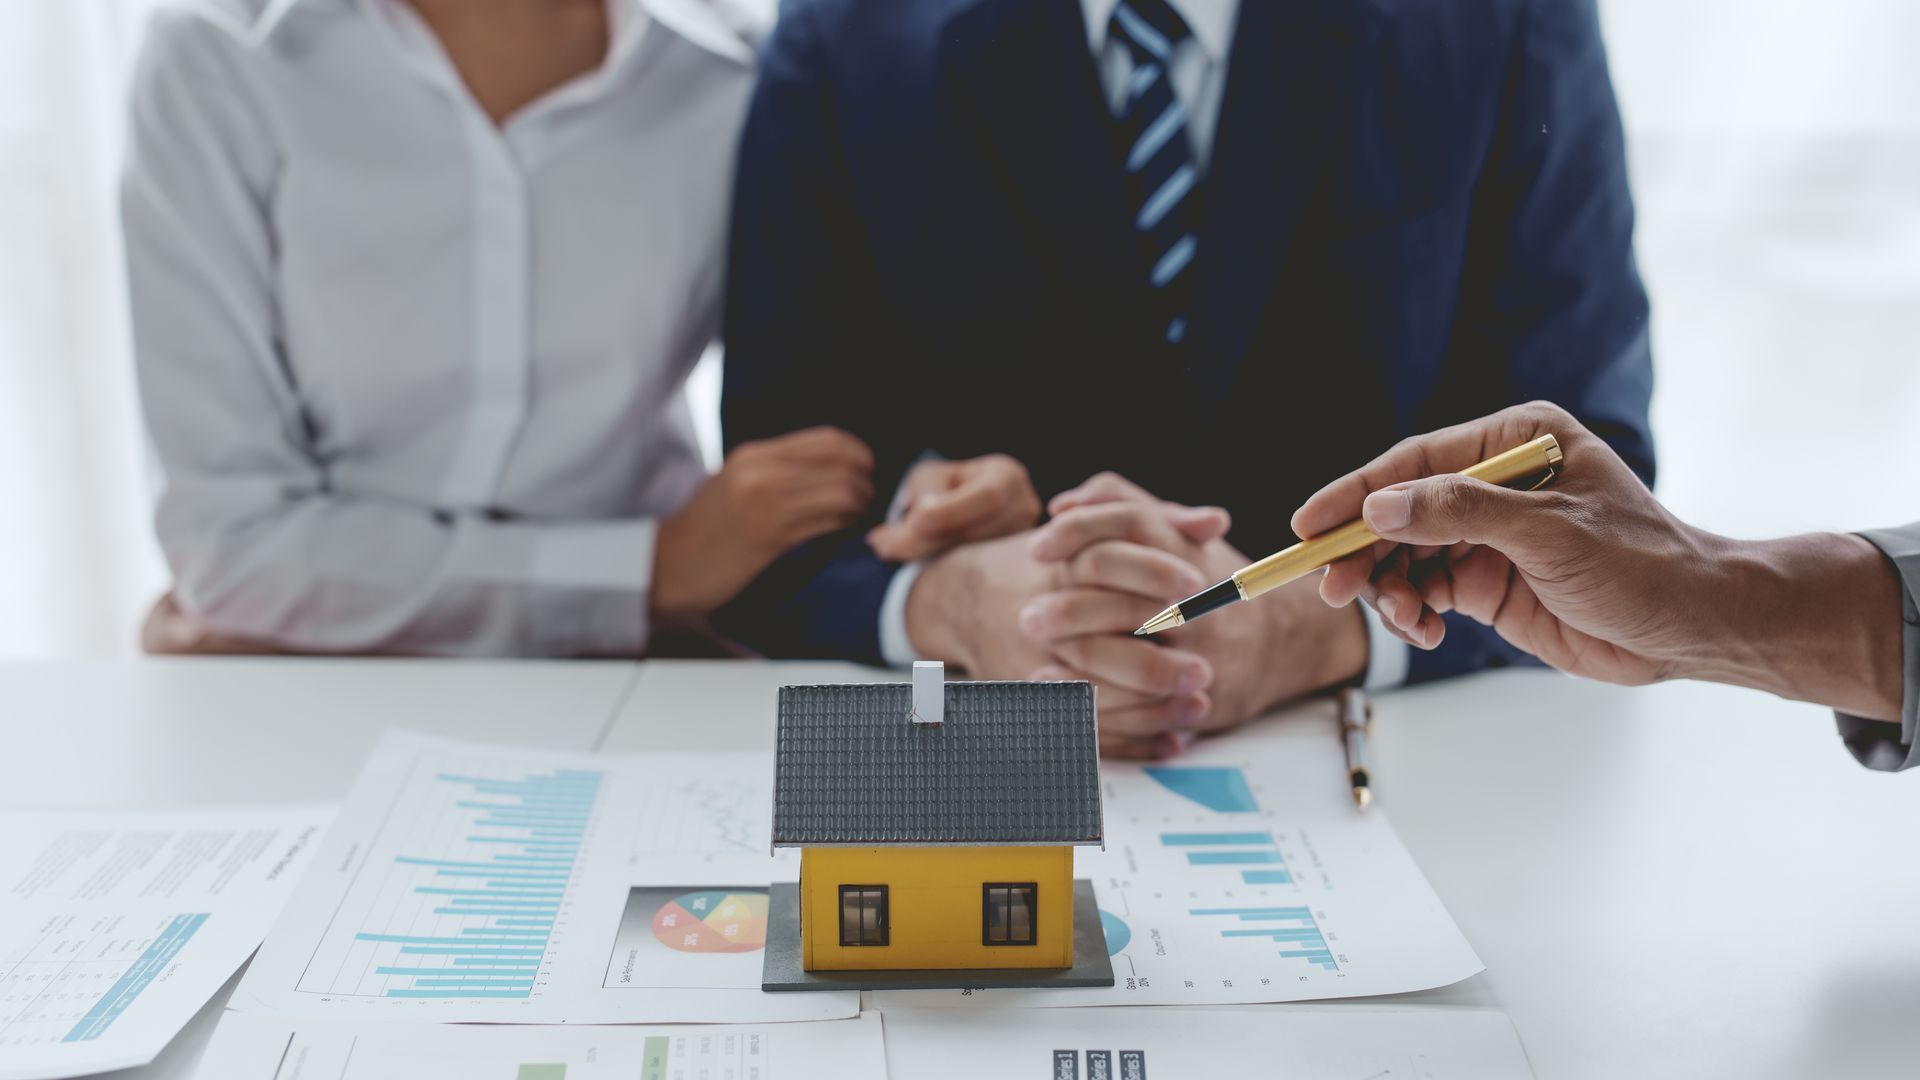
point(1062, 602)
point(1008, 601)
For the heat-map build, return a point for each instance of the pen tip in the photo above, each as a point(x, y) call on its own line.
point(1361, 797)
point(1166, 620)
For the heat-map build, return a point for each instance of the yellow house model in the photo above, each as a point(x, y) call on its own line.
point(937, 821)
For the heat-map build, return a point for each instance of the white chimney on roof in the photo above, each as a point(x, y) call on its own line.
point(929, 692)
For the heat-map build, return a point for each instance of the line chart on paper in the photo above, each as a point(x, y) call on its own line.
point(703, 815)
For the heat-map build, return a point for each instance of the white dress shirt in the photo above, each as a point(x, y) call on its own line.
point(415, 380)
point(1198, 73)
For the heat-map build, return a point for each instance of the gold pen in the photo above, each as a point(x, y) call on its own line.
point(1356, 723)
point(1541, 456)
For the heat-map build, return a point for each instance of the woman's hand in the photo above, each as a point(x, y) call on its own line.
point(768, 497)
point(949, 503)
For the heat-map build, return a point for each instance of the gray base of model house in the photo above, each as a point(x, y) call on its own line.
point(785, 968)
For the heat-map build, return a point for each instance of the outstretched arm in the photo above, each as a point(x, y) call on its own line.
point(1596, 578)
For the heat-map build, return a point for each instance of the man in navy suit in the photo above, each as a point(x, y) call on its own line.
point(1225, 249)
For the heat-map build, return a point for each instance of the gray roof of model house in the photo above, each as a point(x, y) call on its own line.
point(1011, 763)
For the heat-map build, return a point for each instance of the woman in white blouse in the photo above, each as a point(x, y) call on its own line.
point(416, 287)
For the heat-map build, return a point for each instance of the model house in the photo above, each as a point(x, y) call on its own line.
point(937, 821)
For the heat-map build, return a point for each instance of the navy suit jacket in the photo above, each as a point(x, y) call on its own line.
point(1416, 213)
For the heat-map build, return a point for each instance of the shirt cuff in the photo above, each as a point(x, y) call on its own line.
point(895, 647)
point(1387, 656)
point(1877, 744)
point(585, 584)
point(1885, 745)
point(608, 570)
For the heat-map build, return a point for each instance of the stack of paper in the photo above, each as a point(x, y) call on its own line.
point(463, 882)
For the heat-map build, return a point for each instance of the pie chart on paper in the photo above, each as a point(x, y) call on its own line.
point(713, 922)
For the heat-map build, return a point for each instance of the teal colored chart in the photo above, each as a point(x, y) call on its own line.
point(1293, 930)
point(491, 895)
point(1223, 790)
point(1117, 931)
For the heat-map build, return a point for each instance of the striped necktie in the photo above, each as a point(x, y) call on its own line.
point(1161, 174)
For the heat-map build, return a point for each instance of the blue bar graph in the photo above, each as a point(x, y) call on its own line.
point(1215, 839)
point(1231, 858)
point(475, 950)
point(433, 972)
point(413, 939)
point(1233, 849)
point(468, 993)
point(492, 897)
point(1294, 914)
point(1300, 941)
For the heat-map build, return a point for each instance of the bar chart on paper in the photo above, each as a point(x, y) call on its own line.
point(1249, 880)
point(1224, 887)
point(466, 890)
point(1252, 859)
point(464, 883)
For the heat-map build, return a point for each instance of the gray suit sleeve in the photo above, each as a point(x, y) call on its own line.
point(1878, 744)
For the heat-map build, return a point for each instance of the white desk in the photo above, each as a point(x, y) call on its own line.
point(1680, 881)
point(193, 731)
point(716, 705)
point(1684, 880)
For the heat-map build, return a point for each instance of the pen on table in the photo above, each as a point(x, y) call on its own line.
point(1356, 722)
point(1541, 456)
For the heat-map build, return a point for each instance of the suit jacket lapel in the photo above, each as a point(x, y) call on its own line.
point(1022, 84)
point(1291, 64)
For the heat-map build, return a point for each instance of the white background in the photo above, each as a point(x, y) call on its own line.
point(1775, 150)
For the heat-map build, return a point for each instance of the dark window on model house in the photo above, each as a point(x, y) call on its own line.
point(863, 914)
point(1008, 913)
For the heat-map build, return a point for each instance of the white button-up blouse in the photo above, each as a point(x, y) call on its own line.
point(414, 380)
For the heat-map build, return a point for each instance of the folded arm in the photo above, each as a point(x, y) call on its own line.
point(261, 543)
